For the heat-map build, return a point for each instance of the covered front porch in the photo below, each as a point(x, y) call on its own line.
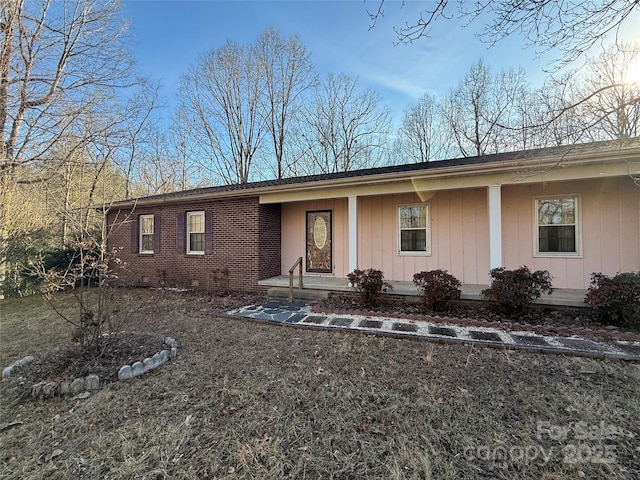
point(563, 297)
point(466, 219)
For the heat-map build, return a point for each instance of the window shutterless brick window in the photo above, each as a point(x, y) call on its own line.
point(557, 226)
point(414, 230)
point(146, 233)
point(195, 232)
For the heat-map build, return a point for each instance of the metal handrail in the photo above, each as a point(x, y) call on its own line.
point(291, 270)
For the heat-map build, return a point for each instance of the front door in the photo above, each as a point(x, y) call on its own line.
point(319, 241)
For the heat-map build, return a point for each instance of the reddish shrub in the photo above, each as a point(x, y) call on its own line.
point(512, 291)
point(617, 299)
point(438, 289)
point(369, 283)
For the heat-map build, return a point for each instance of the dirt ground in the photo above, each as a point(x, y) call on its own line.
point(251, 400)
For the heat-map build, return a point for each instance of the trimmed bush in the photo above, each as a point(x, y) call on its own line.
point(438, 289)
point(615, 299)
point(512, 291)
point(370, 283)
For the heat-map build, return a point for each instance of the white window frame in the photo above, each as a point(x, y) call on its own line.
point(427, 228)
point(189, 232)
point(141, 235)
point(578, 227)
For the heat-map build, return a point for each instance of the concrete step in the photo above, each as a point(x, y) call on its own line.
point(304, 294)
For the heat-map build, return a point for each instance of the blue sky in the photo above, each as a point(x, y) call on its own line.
point(169, 35)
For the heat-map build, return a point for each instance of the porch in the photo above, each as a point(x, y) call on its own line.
point(564, 297)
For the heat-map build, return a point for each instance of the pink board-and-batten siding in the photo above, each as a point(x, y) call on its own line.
point(610, 221)
point(459, 234)
point(610, 224)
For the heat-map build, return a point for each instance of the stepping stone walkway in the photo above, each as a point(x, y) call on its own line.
point(300, 315)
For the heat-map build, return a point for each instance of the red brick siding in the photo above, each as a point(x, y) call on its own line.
point(246, 241)
point(270, 241)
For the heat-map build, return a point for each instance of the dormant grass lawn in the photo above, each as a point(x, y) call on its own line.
point(248, 400)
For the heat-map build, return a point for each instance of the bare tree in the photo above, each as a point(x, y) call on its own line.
point(287, 74)
point(422, 136)
point(137, 130)
point(58, 58)
point(560, 120)
point(196, 168)
point(596, 103)
point(344, 128)
point(166, 163)
point(87, 173)
point(535, 122)
point(52, 208)
point(481, 108)
point(526, 111)
point(103, 141)
point(572, 28)
point(612, 108)
point(86, 262)
point(221, 108)
point(27, 228)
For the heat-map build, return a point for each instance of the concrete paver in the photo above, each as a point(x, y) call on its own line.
point(301, 315)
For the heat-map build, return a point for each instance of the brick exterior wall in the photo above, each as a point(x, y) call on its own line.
point(269, 261)
point(245, 246)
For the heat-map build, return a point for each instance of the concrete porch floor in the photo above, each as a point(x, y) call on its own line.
point(560, 297)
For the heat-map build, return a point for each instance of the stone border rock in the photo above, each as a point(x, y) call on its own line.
point(8, 371)
point(93, 382)
point(136, 369)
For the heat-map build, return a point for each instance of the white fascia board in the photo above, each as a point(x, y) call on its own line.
point(437, 180)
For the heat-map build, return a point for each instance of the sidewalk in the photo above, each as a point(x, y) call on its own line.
point(300, 315)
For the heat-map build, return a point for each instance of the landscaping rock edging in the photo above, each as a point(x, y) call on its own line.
point(93, 382)
point(8, 371)
point(136, 369)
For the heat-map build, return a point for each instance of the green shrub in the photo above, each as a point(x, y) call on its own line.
point(512, 291)
point(617, 299)
point(22, 252)
point(369, 283)
point(26, 276)
point(78, 261)
point(438, 289)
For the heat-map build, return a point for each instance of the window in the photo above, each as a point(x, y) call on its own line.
point(557, 229)
point(195, 232)
point(414, 229)
point(146, 234)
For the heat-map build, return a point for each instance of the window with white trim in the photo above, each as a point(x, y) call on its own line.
point(195, 232)
point(415, 232)
point(557, 231)
point(146, 233)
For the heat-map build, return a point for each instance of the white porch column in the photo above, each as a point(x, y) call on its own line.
point(494, 202)
point(353, 233)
